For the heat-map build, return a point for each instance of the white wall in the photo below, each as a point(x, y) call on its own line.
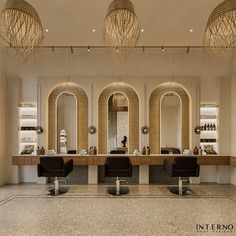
point(3, 130)
point(143, 70)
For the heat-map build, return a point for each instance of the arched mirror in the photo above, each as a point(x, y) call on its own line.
point(171, 124)
point(66, 121)
point(118, 123)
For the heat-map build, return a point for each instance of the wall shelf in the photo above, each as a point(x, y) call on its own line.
point(27, 122)
point(209, 120)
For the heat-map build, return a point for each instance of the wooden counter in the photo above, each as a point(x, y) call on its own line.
point(233, 161)
point(136, 160)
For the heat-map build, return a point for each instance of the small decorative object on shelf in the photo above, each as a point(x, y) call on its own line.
point(209, 150)
point(124, 141)
point(28, 149)
point(146, 151)
point(136, 152)
point(92, 151)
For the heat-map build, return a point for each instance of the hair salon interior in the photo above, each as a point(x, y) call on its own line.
point(117, 117)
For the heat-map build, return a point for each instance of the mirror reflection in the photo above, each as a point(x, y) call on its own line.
point(66, 123)
point(171, 121)
point(118, 123)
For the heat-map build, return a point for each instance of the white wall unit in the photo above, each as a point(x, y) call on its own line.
point(209, 121)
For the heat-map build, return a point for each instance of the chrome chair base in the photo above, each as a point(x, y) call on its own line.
point(123, 191)
point(175, 190)
point(60, 191)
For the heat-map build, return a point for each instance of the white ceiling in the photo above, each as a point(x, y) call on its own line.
point(166, 22)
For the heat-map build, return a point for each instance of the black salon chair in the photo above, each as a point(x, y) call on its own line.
point(164, 151)
point(181, 167)
point(117, 152)
point(118, 167)
point(55, 167)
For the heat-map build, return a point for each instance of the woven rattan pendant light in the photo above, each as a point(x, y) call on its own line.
point(21, 28)
point(122, 29)
point(220, 32)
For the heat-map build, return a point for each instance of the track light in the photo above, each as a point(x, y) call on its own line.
point(89, 49)
point(53, 49)
point(162, 49)
point(117, 49)
point(71, 49)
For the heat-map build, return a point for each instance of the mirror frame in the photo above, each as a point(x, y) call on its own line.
point(154, 115)
point(180, 107)
point(82, 114)
point(133, 139)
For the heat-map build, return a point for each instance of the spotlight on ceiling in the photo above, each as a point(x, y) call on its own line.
point(89, 49)
point(162, 49)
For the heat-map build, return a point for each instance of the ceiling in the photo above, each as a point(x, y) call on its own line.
point(165, 22)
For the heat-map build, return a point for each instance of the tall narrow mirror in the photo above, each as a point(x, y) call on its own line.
point(66, 123)
point(118, 123)
point(171, 121)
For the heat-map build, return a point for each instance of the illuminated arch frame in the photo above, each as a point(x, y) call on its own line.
point(82, 114)
point(130, 93)
point(154, 115)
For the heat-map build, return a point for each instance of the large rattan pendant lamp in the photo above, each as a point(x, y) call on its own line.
point(122, 29)
point(21, 28)
point(220, 32)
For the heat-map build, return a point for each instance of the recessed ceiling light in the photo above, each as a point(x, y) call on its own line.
point(191, 30)
point(142, 30)
point(94, 30)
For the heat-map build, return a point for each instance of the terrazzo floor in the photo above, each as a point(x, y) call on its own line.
point(88, 210)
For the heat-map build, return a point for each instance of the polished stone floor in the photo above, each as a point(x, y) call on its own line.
point(89, 210)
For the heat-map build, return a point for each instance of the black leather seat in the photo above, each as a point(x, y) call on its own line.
point(181, 167)
point(55, 167)
point(71, 152)
point(117, 152)
point(118, 167)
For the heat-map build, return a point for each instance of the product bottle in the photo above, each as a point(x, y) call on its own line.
point(147, 151)
point(144, 151)
point(200, 151)
point(195, 151)
point(42, 151)
point(38, 151)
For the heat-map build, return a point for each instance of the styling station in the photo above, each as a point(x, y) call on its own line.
point(117, 117)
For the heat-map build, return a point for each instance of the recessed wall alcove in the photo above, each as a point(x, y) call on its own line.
point(81, 117)
point(155, 115)
point(133, 117)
